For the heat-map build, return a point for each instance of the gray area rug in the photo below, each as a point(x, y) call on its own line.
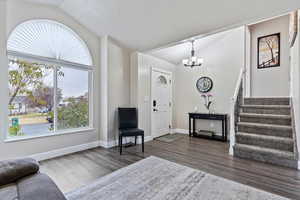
point(169, 138)
point(157, 179)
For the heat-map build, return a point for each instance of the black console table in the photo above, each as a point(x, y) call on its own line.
point(220, 117)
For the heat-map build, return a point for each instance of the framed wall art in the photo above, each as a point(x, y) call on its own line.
point(268, 48)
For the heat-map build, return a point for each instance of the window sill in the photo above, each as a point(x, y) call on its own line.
point(65, 132)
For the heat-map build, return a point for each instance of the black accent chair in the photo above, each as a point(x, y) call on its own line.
point(128, 126)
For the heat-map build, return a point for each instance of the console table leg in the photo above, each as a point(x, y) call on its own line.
point(190, 131)
point(226, 129)
point(223, 129)
point(194, 127)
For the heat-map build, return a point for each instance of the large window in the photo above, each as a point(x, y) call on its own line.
point(73, 101)
point(31, 98)
point(50, 75)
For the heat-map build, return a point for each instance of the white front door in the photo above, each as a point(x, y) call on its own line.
point(161, 105)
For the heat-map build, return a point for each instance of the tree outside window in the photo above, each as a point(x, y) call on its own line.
point(32, 104)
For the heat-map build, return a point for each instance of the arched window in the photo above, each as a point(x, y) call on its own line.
point(49, 39)
point(50, 74)
point(162, 80)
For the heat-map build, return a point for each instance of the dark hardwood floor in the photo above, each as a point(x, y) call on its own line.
point(75, 170)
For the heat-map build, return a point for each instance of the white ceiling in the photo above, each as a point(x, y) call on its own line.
point(146, 24)
point(51, 2)
point(176, 53)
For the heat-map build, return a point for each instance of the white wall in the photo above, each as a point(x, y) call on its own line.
point(141, 65)
point(223, 60)
point(3, 76)
point(18, 12)
point(118, 84)
point(271, 82)
point(295, 84)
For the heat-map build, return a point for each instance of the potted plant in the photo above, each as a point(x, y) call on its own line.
point(207, 101)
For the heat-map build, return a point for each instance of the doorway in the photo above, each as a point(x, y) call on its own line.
point(161, 102)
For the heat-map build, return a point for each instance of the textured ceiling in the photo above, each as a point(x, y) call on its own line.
point(143, 24)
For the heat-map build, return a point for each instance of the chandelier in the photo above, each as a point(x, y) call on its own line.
point(192, 61)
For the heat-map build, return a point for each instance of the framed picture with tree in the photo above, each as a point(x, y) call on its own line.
point(268, 48)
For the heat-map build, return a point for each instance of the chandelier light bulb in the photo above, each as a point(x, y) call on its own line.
point(194, 59)
point(185, 61)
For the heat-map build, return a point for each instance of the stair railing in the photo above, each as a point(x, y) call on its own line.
point(236, 101)
point(296, 154)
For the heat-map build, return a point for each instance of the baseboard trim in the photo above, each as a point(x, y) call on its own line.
point(114, 143)
point(147, 139)
point(231, 151)
point(182, 131)
point(73, 149)
point(108, 144)
point(65, 151)
point(101, 143)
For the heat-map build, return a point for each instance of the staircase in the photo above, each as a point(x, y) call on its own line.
point(265, 132)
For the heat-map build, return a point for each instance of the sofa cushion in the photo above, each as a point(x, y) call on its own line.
point(38, 187)
point(9, 192)
point(13, 170)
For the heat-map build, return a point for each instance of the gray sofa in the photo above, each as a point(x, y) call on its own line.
point(21, 180)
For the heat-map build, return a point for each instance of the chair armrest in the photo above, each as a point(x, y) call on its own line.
point(39, 187)
point(13, 170)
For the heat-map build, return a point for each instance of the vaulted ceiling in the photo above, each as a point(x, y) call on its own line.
point(146, 24)
point(175, 53)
